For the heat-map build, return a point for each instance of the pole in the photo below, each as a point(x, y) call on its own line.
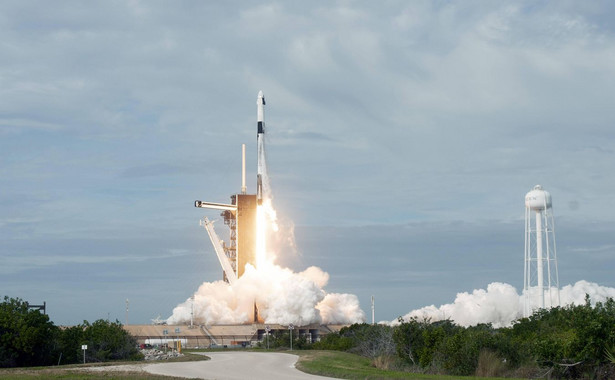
point(192, 313)
point(267, 329)
point(539, 260)
point(373, 312)
point(243, 168)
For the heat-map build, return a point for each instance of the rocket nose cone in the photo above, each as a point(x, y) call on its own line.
point(260, 94)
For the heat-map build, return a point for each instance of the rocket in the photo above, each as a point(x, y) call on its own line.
point(260, 146)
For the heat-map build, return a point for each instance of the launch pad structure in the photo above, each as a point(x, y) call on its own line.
point(222, 336)
point(240, 217)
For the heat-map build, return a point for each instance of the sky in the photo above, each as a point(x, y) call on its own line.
point(402, 137)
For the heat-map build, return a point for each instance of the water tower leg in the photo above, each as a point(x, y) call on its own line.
point(539, 269)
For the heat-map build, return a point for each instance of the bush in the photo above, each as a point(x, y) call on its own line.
point(568, 342)
point(109, 341)
point(416, 342)
point(27, 337)
point(490, 365)
point(386, 362)
point(368, 340)
point(70, 341)
point(333, 341)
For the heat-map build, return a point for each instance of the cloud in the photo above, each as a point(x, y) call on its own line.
point(159, 169)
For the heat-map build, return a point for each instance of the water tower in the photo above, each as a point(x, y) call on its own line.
point(540, 276)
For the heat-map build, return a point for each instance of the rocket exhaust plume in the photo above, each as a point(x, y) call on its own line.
point(281, 295)
point(501, 305)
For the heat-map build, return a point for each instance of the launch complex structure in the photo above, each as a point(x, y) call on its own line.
point(246, 243)
point(241, 214)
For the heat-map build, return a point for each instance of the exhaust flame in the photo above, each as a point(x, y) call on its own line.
point(266, 224)
point(261, 247)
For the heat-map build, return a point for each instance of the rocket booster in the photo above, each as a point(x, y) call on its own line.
point(260, 145)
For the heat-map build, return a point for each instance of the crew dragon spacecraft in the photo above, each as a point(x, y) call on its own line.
point(241, 214)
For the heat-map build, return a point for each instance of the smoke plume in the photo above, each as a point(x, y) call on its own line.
point(281, 295)
point(501, 304)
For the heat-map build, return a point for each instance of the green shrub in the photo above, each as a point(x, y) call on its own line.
point(27, 337)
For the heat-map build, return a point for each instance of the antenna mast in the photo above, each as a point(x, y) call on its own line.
point(243, 169)
point(373, 311)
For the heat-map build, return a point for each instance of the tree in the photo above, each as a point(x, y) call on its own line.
point(408, 338)
point(70, 341)
point(333, 341)
point(27, 337)
point(368, 340)
point(417, 341)
point(108, 341)
point(458, 353)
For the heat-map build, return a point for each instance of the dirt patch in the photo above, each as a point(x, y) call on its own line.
point(116, 368)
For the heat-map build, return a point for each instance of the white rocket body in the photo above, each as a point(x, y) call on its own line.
point(260, 145)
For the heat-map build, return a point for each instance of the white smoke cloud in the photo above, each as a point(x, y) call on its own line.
point(500, 304)
point(338, 308)
point(281, 295)
point(575, 294)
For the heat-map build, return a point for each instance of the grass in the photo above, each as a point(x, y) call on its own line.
point(64, 374)
point(349, 366)
point(80, 371)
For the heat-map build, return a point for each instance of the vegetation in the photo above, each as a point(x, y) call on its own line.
point(345, 365)
point(75, 373)
point(66, 374)
point(28, 338)
point(106, 341)
point(572, 342)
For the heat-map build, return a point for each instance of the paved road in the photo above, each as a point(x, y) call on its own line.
point(235, 366)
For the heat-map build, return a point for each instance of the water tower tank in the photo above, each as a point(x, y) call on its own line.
point(538, 199)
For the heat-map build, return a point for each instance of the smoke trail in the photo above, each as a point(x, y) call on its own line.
point(500, 304)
